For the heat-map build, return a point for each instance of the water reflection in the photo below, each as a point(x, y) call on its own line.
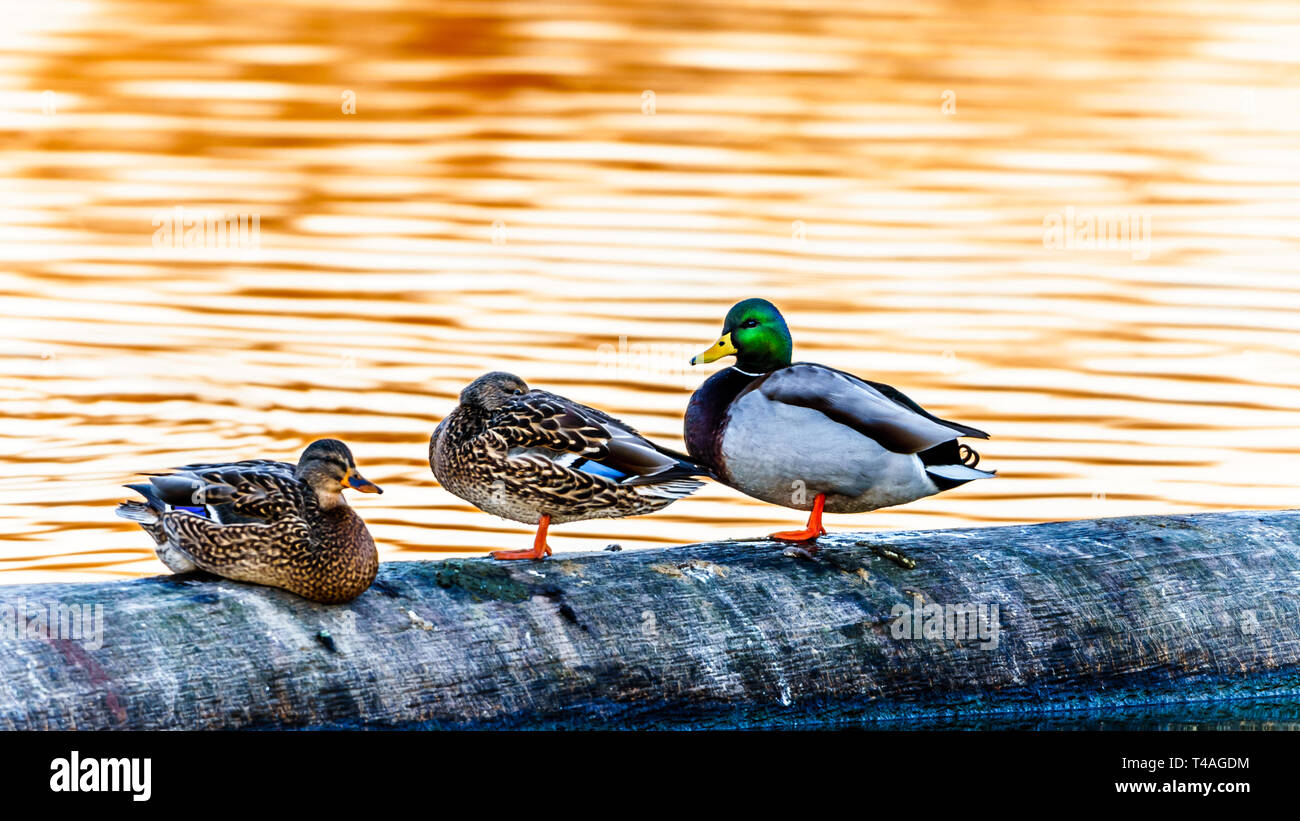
point(506, 195)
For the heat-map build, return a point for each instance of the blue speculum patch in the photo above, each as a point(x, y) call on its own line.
point(601, 470)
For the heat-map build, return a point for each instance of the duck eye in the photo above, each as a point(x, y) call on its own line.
point(518, 392)
point(750, 323)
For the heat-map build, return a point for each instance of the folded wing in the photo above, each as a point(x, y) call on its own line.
point(579, 438)
point(253, 491)
point(873, 409)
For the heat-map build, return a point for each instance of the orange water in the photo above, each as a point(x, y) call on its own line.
point(508, 196)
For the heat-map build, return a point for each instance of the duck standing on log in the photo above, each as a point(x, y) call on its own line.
point(810, 437)
point(538, 458)
point(266, 522)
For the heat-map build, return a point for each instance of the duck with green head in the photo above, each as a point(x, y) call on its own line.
point(810, 437)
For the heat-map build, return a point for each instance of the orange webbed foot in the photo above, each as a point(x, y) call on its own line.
point(805, 535)
point(507, 555)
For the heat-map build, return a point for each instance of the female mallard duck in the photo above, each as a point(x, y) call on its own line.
point(538, 458)
point(810, 437)
point(266, 522)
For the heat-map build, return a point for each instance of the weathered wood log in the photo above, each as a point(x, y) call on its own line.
point(1106, 614)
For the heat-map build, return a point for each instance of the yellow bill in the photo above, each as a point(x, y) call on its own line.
point(719, 349)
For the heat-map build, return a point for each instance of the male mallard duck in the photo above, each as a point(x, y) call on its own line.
point(538, 458)
point(810, 437)
point(266, 522)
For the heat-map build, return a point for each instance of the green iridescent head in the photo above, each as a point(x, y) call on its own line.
point(755, 333)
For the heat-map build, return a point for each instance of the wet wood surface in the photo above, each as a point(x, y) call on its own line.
point(1108, 614)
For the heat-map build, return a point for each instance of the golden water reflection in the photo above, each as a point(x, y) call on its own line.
point(508, 196)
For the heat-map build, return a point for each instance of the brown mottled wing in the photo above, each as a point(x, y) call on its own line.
point(247, 552)
point(872, 409)
point(541, 423)
point(253, 491)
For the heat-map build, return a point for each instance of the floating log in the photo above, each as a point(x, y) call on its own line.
point(992, 625)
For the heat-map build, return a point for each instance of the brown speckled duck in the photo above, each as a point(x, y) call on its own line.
point(265, 522)
point(538, 458)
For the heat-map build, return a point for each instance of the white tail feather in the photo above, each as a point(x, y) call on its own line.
point(674, 489)
point(957, 473)
point(137, 512)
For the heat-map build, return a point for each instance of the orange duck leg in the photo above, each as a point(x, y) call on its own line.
point(812, 531)
point(540, 548)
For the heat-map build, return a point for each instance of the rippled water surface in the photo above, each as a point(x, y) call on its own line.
point(507, 195)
